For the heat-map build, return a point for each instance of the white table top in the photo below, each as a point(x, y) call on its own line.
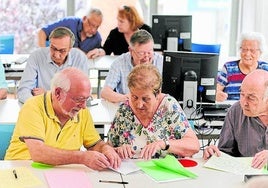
point(9, 111)
point(10, 58)
point(207, 178)
point(102, 63)
point(94, 176)
point(102, 113)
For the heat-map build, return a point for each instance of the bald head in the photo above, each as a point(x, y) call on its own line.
point(70, 78)
point(254, 94)
point(257, 79)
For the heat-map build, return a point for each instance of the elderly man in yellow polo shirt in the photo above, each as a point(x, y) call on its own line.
point(53, 126)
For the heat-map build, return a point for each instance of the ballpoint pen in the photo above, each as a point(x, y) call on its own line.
point(15, 173)
point(109, 181)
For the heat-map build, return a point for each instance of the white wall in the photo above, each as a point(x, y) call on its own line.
point(254, 18)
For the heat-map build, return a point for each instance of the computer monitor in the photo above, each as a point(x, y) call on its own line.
point(168, 29)
point(198, 67)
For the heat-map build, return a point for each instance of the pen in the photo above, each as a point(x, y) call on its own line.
point(15, 173)
point(108, 181)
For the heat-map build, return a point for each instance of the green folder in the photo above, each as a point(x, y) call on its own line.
point(166, 169)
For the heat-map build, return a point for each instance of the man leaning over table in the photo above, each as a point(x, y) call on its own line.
point(140, 51)
point(87, 37)
point(3, 83)
point(45, 62)
point(52, 127)
point(244, 132)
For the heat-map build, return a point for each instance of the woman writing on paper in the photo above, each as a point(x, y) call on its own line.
point(150, 123)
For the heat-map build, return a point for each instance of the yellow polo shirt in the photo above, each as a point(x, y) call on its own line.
point(37, 120)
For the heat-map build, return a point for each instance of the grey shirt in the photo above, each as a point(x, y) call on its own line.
point(40, 69)
point(242, 136)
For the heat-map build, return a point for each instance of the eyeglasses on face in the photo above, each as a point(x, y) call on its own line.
point(92, 25)
point(61, 51)
point(80, 100)
point(143, 53)
point(245, 50)
point(77, 99)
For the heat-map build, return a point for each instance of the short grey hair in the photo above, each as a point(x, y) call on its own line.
point(141, 37)
point(60, 32)
point(253, 36)
point(95, 11)
point(60, 79)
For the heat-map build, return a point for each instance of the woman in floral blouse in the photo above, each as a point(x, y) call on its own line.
point(150, 123)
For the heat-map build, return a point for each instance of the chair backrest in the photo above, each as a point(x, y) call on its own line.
point(209, 48)
point(6, 132)
point(47, 43)
point(6, 44)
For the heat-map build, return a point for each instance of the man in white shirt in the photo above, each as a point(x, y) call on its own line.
point(45, 62)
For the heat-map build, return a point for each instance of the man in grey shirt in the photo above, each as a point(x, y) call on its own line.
point(45, 62)
point(244, 132)
point(140, 51)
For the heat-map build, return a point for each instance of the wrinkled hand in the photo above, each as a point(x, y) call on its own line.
point(260, 159)
point(150, 149)
point(125, 151)
point(211, 150)
point(97, 52)
point(95, 160)
point(112, 156)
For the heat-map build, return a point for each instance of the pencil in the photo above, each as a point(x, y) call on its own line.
point(108, 181)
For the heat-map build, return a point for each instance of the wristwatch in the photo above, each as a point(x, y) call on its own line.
point(167, 144)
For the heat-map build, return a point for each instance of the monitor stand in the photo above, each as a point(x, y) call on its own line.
point(189, 100)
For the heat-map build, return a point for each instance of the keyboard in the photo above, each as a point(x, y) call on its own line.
point(215, 111)
point(216, 106)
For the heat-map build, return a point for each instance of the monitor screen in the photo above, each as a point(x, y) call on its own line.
point(178, 27)
point(178, 63)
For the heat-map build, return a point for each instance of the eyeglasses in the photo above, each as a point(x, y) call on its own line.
point(143, 53)
point(61, 51)
point(245, 50)
point(79, 100)
point(92, 25)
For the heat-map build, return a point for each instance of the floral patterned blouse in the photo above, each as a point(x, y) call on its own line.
point(168, 122)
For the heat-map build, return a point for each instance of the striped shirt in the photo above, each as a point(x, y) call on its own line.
point(231, 78)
